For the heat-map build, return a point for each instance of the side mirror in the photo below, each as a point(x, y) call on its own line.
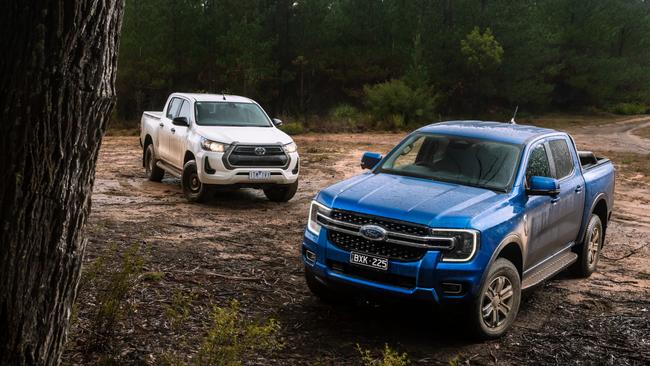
point(370, 159)
point(180, 121)
point(277, 122)
point(543, 186)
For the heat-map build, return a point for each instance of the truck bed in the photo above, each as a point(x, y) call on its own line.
point(153, 114)
point(588, 160)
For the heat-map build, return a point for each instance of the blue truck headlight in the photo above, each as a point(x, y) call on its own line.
point(314, 210)
point(466, 243)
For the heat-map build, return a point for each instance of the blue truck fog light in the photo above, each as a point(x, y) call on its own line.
point(451, 288)
point(310, 256)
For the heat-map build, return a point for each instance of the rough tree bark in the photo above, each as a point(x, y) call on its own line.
point(57, 78)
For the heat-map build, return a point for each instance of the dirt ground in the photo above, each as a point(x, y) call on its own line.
point(241, 246)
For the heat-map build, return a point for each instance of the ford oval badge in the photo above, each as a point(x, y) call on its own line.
point(373, 232)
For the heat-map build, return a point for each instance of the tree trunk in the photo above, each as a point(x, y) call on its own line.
point(57, 81)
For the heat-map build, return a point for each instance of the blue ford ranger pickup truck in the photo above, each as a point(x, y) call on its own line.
point(465, 213)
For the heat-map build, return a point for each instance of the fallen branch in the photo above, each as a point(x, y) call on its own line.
point(207, 273)
point(634, 251)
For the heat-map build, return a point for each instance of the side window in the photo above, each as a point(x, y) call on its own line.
point(561, 158)
point(185, 110)
point(172, 108)
point(538, 163)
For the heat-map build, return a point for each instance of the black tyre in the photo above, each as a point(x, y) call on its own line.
point(193, 188)
point(589, 250)
point(153, 172)
point(495, 308)
point(324, 293)
point(281, 192)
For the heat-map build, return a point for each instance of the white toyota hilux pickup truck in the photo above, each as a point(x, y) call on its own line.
point(226, 141)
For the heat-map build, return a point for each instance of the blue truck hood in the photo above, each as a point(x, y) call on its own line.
point(416, 200)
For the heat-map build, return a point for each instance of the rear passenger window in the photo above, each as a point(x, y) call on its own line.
point(561, 158)
point(172, 108)
point(538, 163)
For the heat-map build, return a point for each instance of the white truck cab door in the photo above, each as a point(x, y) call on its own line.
point(164, 130)
point(178, 136)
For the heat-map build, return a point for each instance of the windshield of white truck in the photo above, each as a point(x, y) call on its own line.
point(230, 114)
point(453, 159)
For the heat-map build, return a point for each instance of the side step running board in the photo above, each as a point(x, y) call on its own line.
point(549, 269)
point(169, 169)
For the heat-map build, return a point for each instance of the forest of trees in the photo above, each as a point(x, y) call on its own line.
point(431, 57)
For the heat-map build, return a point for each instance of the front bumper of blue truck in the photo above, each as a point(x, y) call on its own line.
point(426, 277)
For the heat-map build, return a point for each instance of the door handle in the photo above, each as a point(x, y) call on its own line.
point(578, 189)
point(161, 124)
point(173, 130)
point(555, 200)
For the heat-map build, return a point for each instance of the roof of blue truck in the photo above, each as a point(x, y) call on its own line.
point(496, 131)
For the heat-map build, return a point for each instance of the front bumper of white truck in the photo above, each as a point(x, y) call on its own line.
point(226, 168)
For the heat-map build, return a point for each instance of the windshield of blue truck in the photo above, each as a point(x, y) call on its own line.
point(453, 159)
point(230, 114)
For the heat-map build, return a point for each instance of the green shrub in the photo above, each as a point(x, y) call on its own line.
point(294, 128)
point(179, 309)
point(231, 336)
point(481, 50)
point(113, 292)
point(395, 97)
point(389, 357)
point(344, 111)
point(343, 118)
point(629, 108)
point(153, 276)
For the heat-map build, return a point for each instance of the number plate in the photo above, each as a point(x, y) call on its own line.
point(369, 261)
point(259, 175)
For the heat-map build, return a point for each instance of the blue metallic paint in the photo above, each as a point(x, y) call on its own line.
point(501, 217)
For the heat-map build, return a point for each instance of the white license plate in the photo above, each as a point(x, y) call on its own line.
point(369, 261)
point(259, 175)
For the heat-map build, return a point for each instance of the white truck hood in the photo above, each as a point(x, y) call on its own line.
point(244, 135)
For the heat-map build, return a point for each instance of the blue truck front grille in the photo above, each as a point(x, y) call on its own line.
point(388, 224)
point(356, 243)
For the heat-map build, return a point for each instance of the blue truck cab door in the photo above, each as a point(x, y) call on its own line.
point(567, 208)
point(542, 233)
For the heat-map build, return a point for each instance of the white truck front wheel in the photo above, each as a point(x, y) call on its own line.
point(193, 188)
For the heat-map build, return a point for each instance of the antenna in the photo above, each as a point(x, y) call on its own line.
point(223, 95)
point(514, 115)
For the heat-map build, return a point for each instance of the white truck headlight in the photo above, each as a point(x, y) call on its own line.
point(314, 210)
point(290, 147)
point(465, 244)
point(213, 146)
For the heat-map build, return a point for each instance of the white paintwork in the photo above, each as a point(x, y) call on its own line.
point(171, 146)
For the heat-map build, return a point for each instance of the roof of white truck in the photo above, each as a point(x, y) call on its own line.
point(215, 97)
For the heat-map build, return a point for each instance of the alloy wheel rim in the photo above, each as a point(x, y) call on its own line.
point(195, 183)
point(497, 301)
point(594, 245)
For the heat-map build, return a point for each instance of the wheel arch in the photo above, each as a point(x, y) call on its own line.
point(511, 248)
point(188, 156)
point(148, 140)
point(599, 208)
